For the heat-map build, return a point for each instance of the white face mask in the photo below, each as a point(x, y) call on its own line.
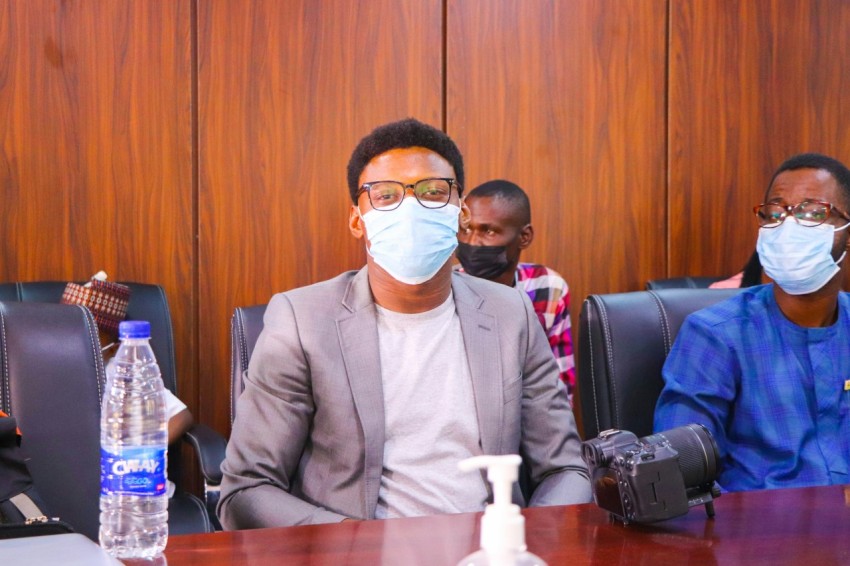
point(799, 258)
point(412, 242)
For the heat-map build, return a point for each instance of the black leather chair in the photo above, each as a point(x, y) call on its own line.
point(245, 326)
point(681, 283)
point(624, 339)
point(52, 382)
point(148, 302)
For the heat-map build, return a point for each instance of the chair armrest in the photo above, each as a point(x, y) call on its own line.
point(210, 447)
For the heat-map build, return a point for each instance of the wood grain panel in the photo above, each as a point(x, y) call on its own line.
point(566, 99)
point(751, 83)
point(95, 161)
point(286, 89)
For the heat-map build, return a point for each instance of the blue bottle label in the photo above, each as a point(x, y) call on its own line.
point(133, 471)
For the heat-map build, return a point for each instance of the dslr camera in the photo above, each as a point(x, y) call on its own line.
point(656, 477)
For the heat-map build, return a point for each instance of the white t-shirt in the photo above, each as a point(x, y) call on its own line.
point(173, 405)
point(430, 416)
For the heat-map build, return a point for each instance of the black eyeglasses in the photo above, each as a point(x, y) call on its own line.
point(808, 213)
point(387, 195)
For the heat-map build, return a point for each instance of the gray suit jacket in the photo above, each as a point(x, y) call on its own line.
point(307, 441)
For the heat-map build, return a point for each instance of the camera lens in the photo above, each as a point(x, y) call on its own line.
point(698, 455)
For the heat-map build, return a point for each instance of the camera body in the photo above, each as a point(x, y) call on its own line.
point(653, 478)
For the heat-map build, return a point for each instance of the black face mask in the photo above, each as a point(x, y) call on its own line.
point(487, 262)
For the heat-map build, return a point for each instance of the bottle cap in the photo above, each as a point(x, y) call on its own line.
point(134, 329)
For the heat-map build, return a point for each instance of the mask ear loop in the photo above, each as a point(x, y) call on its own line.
point(840, 259)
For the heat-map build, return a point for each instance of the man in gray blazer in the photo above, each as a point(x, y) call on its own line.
point(364, 392)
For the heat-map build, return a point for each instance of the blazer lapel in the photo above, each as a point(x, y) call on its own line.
point(481, 338)
point(358, 337)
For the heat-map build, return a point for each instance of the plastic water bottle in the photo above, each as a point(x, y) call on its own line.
point(133, 443)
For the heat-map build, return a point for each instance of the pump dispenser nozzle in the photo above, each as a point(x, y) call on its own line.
point(502, 526)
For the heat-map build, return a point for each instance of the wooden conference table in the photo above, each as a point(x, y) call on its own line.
point(789, 526)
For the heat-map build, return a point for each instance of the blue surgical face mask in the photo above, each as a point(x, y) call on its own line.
point(798, 258)
point(412, 242)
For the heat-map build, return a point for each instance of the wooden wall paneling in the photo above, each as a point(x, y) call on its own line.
point(566, 98)
point(751, 83)
point(95, 149)
point(286, 89)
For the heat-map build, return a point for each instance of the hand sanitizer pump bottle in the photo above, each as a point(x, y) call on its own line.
point(502, 526)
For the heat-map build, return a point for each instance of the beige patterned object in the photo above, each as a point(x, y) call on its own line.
point(107, 301)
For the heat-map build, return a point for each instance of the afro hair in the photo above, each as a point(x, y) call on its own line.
point(402, 134)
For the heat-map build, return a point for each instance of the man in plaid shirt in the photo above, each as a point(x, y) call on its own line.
point(490, 246)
